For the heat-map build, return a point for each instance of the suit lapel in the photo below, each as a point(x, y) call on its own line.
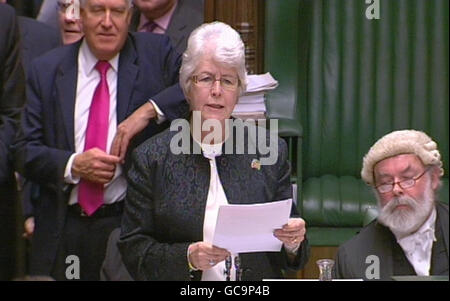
point(135, 18)
point(176, 27)
point(388, 259)
point(126, 79)
point(66, 85)
point(384, 251)
point(443, 219)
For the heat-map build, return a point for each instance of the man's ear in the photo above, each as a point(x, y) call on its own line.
point(435, 177)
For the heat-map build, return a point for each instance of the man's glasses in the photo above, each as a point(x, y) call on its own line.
point(405, 184)
point(207, 80)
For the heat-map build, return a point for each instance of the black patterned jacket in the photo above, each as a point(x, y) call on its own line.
point(165, 208)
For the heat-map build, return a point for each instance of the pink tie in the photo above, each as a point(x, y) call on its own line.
point(90, 195)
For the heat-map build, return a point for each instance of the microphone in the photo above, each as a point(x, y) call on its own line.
point(237, 266)
point(228, 268)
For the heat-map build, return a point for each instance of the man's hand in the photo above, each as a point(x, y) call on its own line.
point(293, 233)
point(204, 256)
point(95, 166)
point(130, 127)
point(28, 227)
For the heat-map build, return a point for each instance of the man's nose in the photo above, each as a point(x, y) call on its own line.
point(107, 22)
point(397, 189)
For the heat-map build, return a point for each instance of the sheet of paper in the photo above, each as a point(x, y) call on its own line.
point(249, 107)
point(251, 98)
point(249, 228)
point(261, 82)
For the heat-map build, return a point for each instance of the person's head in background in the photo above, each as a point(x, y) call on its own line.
point(213, 72)
point(69, 21)
point(105, 24)
point(405, 168)
point(154, 9)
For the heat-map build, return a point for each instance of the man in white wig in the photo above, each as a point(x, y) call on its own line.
point(410, 235)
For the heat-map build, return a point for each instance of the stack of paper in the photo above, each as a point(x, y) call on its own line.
point(251, 103)
point(261, 83)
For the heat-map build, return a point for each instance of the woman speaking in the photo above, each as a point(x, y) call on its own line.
point(173, 198)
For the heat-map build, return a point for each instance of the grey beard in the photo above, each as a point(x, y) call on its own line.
point(405, 222)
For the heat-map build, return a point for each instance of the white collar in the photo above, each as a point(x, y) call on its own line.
point(423, 234)
point(429, 223)
point(210, 151)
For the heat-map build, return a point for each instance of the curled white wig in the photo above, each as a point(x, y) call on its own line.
point(401, 142)
point(219, 41)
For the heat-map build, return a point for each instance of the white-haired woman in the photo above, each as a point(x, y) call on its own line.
point(173, 198)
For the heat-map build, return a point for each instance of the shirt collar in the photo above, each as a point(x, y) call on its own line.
point(209, 151)
point(87, 60)
point(162, 22)
point(429, 223)
point(425, 232)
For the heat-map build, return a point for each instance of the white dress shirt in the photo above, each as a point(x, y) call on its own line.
point(418, 246)
point(216, 198)
point(87, 81)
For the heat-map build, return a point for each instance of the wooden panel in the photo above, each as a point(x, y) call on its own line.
point(247, 17)
point(311, 271)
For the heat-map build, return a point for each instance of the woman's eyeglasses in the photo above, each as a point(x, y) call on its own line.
point(206, 80)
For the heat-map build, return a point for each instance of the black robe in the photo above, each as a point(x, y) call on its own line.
point(376, 239)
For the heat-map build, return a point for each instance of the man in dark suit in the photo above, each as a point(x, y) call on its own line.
point(410, 236)
point(37, 39)
point(12, 97)
point(175, 18)
point(88, 103)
